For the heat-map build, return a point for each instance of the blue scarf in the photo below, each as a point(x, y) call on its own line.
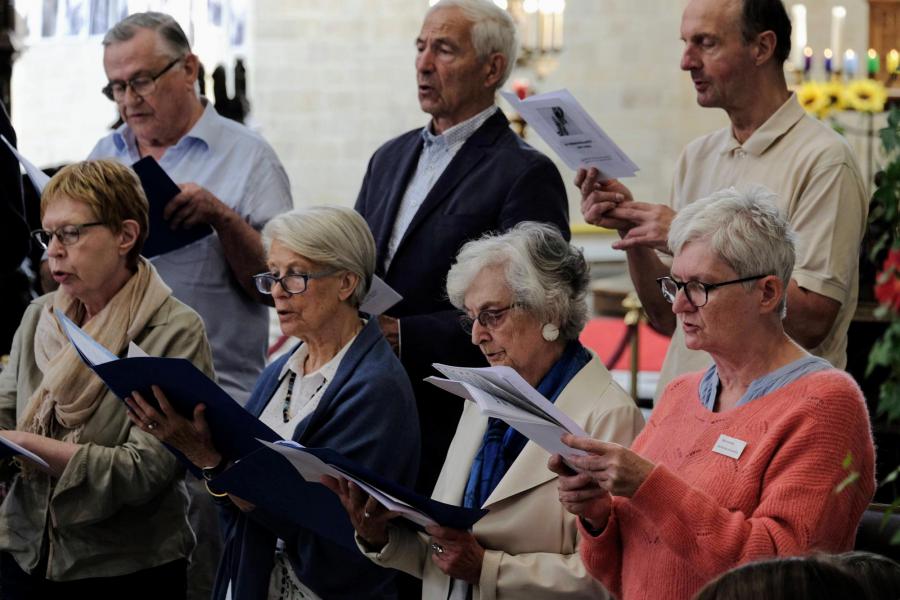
point(502, 444)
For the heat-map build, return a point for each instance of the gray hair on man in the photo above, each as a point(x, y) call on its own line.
point(546, 275)
point(493, 30)
point(332, 236)
point(744, 229)
point(170, 32)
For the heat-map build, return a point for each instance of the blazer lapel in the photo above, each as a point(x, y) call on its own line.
point(530, 468)
point(406, 164)
point(468, 157)
point(451, 485)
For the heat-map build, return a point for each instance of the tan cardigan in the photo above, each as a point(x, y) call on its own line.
point(120, 506)
point(530, 541)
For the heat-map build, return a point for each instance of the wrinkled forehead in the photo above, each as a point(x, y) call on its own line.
point(447, 23)
point(488, 289)
point(711, 17)
point(145, 52)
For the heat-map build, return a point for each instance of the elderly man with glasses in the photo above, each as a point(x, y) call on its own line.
point(230, 178)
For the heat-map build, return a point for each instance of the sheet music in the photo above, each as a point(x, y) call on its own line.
point(38, 177)
point(381, 297)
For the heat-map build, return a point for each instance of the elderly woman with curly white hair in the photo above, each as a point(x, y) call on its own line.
point(523, 297)
point(742, 461)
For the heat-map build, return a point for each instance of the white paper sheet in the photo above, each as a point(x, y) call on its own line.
point(381, 297)
point(89, 349)
point(38, 177)
point(17, 449)
point(572, 133)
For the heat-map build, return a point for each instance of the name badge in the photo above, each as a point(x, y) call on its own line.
point(729, 446)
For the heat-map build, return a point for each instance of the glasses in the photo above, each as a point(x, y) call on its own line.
point(292, 283)
point(488, 318)
point(67, 234)
point(143, 85)
point(697, 292)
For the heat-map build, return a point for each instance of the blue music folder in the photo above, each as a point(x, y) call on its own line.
point(272, 478)
point(235, 432)
point(160, 189)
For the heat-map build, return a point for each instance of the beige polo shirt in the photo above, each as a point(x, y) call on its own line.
point(820, 190)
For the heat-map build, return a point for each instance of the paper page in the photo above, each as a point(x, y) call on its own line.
point(381, 297)
point(38, 177)
point(572, 133)
point(87, 347)
point(19, 450)
point(311, 468)
point(135, 351)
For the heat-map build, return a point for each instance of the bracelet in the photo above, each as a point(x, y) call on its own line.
point(212, 493)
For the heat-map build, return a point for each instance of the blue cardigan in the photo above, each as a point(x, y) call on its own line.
point(368, 413)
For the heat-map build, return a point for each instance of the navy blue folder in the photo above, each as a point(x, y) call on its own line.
point(268, 480)
point(160, 189)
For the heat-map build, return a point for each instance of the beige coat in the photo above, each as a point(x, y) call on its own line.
point(530, 541)
point(120, 506)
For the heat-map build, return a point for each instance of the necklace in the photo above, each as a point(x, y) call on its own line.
point(286, 408)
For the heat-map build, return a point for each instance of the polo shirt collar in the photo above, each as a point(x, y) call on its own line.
point(769, 132)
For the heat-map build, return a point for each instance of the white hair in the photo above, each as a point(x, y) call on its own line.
point(546, 275)
point(744, 229)
point(331, 236)
point(493, 30)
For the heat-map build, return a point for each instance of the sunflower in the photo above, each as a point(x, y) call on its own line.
point(838, 98)
point(812, 98)
point(867, 95)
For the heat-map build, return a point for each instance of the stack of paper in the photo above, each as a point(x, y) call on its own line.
point(500, 392)
point(571, 132)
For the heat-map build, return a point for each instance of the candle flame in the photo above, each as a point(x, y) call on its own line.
point(872, 53)
point(827, 53)
point(808, 51)
point(839, 11)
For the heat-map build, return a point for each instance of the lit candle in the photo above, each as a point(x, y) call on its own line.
point(807, 60)
point(798, 35)
point(851, 64)
point(892, 61)
point(838, 16)
point(530, 35)
point(828, 66)
point(873, 65)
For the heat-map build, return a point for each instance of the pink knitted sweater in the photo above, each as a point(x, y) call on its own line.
point(700, 513)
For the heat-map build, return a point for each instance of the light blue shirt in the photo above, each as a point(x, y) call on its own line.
point(242, 171)
point(437, 152)
point(768, 383)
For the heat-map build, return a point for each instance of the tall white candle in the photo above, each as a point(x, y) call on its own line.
point(798, 34)
point(838, 16)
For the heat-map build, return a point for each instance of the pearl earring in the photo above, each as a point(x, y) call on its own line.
point(550, 332)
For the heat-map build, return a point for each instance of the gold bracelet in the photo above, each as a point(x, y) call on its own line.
point(212, 493)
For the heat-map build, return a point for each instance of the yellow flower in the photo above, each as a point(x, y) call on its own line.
point(812, 98)
point(867, 95)
point(837, 97)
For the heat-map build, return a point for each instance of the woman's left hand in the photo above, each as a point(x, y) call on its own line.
point(191, 438)
point(615, 468)
point(456, 553)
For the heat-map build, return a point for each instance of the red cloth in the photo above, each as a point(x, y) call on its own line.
point(700, 513)
point(603, 334)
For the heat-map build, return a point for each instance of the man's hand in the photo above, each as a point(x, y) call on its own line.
point(194, 206)
point(390, 328)
point(599, 197)
point(649, 225)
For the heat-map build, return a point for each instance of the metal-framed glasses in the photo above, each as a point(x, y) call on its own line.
point(489, 318)
point(697, 292)
point(67, 234)
point(291, 283)
point(143, 85)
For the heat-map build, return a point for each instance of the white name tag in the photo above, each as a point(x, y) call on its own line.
point(729, 446)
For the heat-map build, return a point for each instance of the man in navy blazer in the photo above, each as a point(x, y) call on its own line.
point(430, 190)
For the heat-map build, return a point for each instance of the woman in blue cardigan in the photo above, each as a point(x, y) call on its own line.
point(342, 387)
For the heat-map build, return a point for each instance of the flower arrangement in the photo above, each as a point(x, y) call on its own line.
point(821, 99)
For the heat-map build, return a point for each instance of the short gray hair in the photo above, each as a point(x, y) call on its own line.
point(332, 236)
point(493, 30)
point(168, 29)
point(546, 275)
point(744, 229)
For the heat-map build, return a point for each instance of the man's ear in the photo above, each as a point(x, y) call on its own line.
point(764, 48)
point(495, 67)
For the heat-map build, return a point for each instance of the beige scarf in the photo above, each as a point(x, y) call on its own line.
point(70, 392)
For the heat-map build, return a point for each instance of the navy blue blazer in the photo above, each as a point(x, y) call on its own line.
point(495, 181)
point(367, 414)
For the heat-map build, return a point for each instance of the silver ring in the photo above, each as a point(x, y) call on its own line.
point(437, 548)
point(151, 425)
point(366, 515)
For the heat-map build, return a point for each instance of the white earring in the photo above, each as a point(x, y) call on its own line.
point(550, 332)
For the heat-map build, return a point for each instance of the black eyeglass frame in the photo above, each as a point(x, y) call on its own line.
point(38, 234)
point(706, 287)
point(305, 277)
point(136, 82)
point(487, 318)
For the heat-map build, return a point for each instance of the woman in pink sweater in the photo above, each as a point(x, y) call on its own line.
point(767, 453)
